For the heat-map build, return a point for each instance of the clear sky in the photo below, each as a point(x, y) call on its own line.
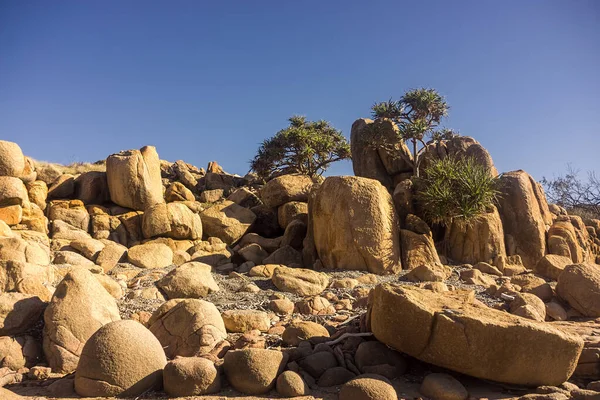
point(209, 80)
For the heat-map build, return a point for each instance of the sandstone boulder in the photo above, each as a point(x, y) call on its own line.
point(19, 352)
point(191, 376)
point(291, 211)
point(150, 255)
point(453, 331)
point(299, 331)
point(242, 321)
point(286, 188)
point(19, 313)
point(291, 384)
point(579, 285)
point(134, 178)
point(92, 187)
point(12, 161)
point(190, 280)
point(303, 282)
point(73, 212)
point(443, 387)
point(174, 220)
point(187, 327)
point(227, 221)
point(552, 265)
point(178, 192)
point(569, 245)
point(121, 359)
point(355, 226)
point(79, 307)
point(525, 216)
point(253, 371)
point(480, 240)
point(38, 193)
point(62, 188)
point(368, 387)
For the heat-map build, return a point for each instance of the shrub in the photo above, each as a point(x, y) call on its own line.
point(455, 189)
point(304, 147)
point(579, 196)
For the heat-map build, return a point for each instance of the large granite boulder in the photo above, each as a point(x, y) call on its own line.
point(253, 371)
point(174, 220)
point(121, 359)
point(134, 178)
point(355, 226)
point(79, 307)
point(453, 331)
point(525, 216)
point(416, 242)
point(187, 327)
point(227, 221)
point(286, 188)
point(12, 161)
point(459, 147)
point(579, 285)
point(480, 240)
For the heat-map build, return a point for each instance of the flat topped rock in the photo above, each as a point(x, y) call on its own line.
point(454, 331)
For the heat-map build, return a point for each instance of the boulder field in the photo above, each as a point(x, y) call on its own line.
point(142, 278)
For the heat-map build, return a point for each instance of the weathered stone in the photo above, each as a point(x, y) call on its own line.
point(291, 384)
point(134, 178)
point(429, 273)
point(318, 362)
point(285, 255)
point(227, 221)
point(62, 188)
point(38, 193)
point(178, 192)
point(379, 164)
point(12, 161)
point(579, 285)
point(300, 281)
point(528, 306)
point(246, 320)
point(482, 239)
point(174, 220)
point(286, 188)
point(187, 327)
point(190, 280)
point(121, 359)
point(564, 229)
point(525, 216)
point(79, 307)
point(92, 187)
point(472, 338)
point(19, 352)
point(253, 252)
point(19, 313)
point(150, 255)
point(253, 371)
point(191, 376)
point(443, 387)
point(355, 225)
point(368, 387)
point(291, 211)
point(299, 331)
point(372, 354)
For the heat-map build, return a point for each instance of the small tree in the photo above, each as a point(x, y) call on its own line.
point(453, 189)
point(304, 147)
point(416, 114)
point(578, 196)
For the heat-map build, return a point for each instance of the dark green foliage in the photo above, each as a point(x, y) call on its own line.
point(304, 147)
point(455, 189)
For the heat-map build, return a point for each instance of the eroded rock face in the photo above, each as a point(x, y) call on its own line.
point(562, 240)
point(190, 280)
point(579, 285)
point(303, 282)
point(286, 188)
point(482, 240)
point(174, 220)
point(369, 162)
point(525, 216)
point(12, 161)
point(417, 244)
point(121, 359)
point(79, 307)
point(452, 331)
point(134, 178)
point(355, 225)
point(19, 312)
point(187, 327)
point(253, 371)
point(227, 221)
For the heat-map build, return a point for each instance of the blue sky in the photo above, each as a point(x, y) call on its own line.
point(205, 81)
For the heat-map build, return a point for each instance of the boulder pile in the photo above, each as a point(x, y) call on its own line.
point(136, 276)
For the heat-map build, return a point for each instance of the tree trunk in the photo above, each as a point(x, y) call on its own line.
point(415, 165)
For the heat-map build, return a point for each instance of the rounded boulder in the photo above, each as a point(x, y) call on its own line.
point(368, 387)
point(253, 371)
point(122, 358)
point(191, 376)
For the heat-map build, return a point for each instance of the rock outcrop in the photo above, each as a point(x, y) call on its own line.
point(454, 332)
point(355, 226)
point(134, 178)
